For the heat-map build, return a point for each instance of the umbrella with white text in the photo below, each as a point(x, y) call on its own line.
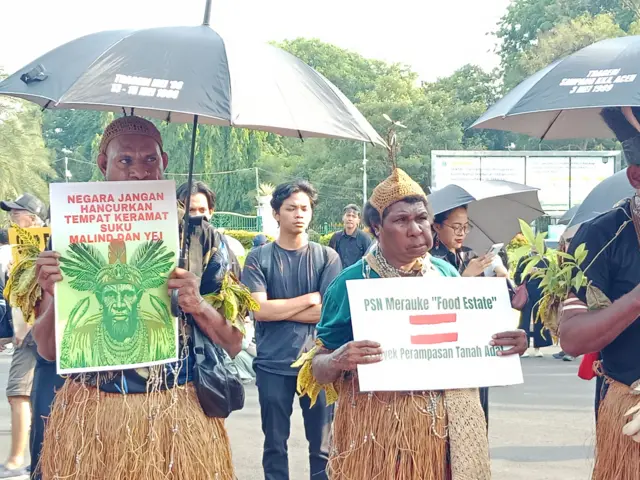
point(191, 74)
point(564, 99)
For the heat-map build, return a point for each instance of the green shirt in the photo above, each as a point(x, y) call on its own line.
point(334, 329)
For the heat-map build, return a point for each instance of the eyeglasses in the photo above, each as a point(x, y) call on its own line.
point(459, 229)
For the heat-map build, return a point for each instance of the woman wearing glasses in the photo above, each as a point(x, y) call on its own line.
point(450, 229)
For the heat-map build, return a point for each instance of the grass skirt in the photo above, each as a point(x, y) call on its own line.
point(93, 435)
point(617, 455)
point(388, 436)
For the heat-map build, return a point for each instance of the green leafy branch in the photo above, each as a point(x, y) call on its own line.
point(559, 274)
point(234, 301)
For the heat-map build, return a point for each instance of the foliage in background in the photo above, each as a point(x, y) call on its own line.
point(325, 239)
point(531, 34)
point(21, 144)
point(245, 237)
point(559, 273)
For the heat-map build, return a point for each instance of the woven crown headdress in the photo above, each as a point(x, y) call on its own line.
point(90, 272)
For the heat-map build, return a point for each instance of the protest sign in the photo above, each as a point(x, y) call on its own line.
point(435, 332)
point(40, 234)
point(119, 243)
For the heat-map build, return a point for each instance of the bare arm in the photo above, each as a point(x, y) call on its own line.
point(44, 328)
point(324, 367)
point(207, 318)
point(583, 331)
point(281, 309)
point(310, 315)
point(328, 365)
point(219, 331)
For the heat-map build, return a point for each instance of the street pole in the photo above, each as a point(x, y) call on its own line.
point(66, 169)
point(364, 174)
point(257, 182)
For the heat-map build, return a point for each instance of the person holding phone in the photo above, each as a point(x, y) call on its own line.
point(450, 229)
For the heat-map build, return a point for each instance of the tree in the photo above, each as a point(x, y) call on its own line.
point(568, 38)
point(24, 159)
point(75, 134)
point(527, 20)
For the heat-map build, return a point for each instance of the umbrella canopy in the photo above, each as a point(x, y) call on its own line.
point(190, 74)
point(568, 215)
point(494, 208)
point(564, 99)
point(601, 199)
point(174, 73)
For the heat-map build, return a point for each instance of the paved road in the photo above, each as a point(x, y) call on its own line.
point(542, 430)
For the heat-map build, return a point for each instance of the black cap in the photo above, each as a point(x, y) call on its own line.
point(259, 240)
point(28, 202)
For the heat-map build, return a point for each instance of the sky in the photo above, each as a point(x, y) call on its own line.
point(434, 37)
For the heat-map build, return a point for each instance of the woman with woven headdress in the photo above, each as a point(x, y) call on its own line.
point(392, 435)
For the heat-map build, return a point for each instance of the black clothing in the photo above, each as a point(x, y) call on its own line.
point(541, 336)
point(276, 394)
point(615, 271)
point(350, 248)
point(460, 259)
point(293, 273)
point(284, 274)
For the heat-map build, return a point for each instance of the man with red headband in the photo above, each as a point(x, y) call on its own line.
point(143, 423)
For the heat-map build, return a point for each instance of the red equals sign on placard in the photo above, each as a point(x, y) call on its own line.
point(434, 338)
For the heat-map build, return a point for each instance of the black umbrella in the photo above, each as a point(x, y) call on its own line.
point(601, 199)
point(564, 99)
point(568, 215)
point(190, 74)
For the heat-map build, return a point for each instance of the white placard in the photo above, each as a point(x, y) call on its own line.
point(435, 332)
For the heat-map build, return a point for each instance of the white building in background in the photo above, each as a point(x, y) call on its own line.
point(265, 212)
point(564, 178)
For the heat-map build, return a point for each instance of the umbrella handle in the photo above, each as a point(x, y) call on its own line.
point(182, 260)
point(175, 307)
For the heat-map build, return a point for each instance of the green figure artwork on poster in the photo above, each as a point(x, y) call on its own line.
point(118, 243)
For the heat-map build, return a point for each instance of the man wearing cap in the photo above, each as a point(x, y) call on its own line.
point(604, 316)
point(259, 240)
point(143, 423)
point(26, 212)
point(351, 243)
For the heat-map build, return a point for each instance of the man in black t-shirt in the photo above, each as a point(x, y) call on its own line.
point(351, 243)
point(288, 278)
point(604, 316)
